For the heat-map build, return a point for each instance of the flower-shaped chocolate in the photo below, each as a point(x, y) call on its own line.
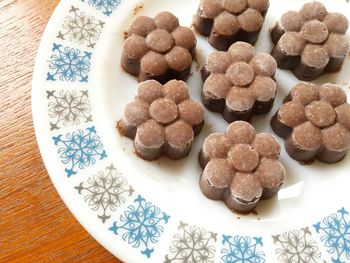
point(238, 83)
point(240, 166)
point(310, 42)
point(158, 48)
point(162, 120)
point(315, 123)
point(228, 21)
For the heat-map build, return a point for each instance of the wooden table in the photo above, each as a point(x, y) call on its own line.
point(35, 225)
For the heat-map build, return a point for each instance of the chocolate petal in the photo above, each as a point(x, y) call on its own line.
point(149, 140)
point(343, 115)
point(305, 93)
point(166, 21)
point(271, 175)
point(263, 64)
point(244, 193)
point(336, 23)
point(241, 51)
point(150, 90)
point(240, 132)
point(176, 90)
point(216, 145)
point(216, 177)
point(267, 145)
point(333, 94)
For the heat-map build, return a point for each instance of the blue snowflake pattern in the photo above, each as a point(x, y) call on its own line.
point(79, 149)
point(335, 233)
point(240, 249)
point(106, 6)
point(68, 64)
point(142, 225)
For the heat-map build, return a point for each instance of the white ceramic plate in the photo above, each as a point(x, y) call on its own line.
point(154, 211)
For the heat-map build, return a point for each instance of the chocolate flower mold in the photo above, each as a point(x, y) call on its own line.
point(158, 48)
point(228, 21)
point(239, 83)
point(241, 167)
point(315, 123)
point(311, 41)
point(162, 120)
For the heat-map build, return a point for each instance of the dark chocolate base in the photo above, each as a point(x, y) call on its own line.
point(154, 154)
point(219, 106)
point(204, 27)
point(133, 68)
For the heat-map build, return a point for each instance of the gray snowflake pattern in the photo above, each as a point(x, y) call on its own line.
point(192, 244)
point(68, 108)
point(297, 246)
point(80, 28)
point(105, 191)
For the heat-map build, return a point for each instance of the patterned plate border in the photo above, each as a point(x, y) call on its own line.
point(133, 222)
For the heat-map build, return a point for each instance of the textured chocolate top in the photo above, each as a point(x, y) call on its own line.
point(159, 44)
point(240, 76)
point(163, 114)
point(242, 161)
point(314, 34)
point(230, 16)
point(318, 115)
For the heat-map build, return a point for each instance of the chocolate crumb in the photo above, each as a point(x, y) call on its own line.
point(137, 9)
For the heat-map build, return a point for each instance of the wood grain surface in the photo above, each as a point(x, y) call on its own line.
point(35, 225)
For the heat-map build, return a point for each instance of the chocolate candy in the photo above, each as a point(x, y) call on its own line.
point(228, 21)
point(310, 42)
point(158, 48)
point(241, 167)
point(162, 120)
point(315, 123)
point(239, 83)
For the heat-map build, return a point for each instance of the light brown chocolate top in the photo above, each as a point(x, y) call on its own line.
point(163, 114)
point(179, 58)
point(142, 25)
point(179, 134)
point(219, 173)
point(159, 44)
point(241, 51)
point(176, 90)
point(251, 20)
point(216, 145)
point(243, 162)
point(240, 132)
point(270, 173)
point(232, 16)
point(314, 34)
point(184, 37)
point(305, 93)
point(218, 62)
point(336, 138)
point(267, 146)
point(226, 24)
point(245, 187)
point(136, 112)
point(292, 21)
point(243, 157)
point(216, 86)
point(191, 112)
point(235, 7)
point(166, 21)
point(164, 111)
point(160, 40)
point(135, 47)
point(150, 90)
point(336, 23)
point(319, 116)
point(151, 134)
point(154, 63)
point(240, 76)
